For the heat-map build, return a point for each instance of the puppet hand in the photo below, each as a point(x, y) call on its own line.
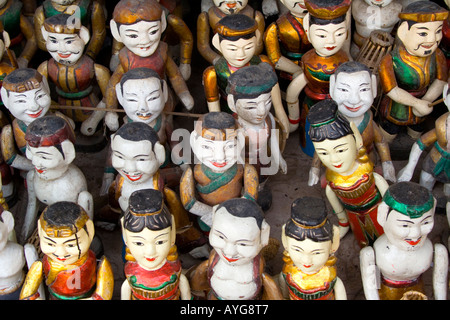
point(405, 174)
point(187, 100)
point(185, 69)
point(313, 176)
point(388, 171)
point(421, 108)
point(112, 120)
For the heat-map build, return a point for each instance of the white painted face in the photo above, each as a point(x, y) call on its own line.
point(66, 49)
point(378, 3)
point(307, 255)
point(48, 162)
point(407, 233)
point(150, 248)
point(134, 160)
point(65, 250)
point(3, 3)
point(327, 39)
point(230, 7)
point(236, 240)
point(141, 38)
point(295, 7)
point(254, 111)
point(353, 93)
point(238, 53)
point(422, 39)
point(218, 155)
point(29, 105)
point(337, 155)
point(142, 99)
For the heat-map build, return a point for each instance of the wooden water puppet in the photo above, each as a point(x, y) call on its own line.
point(235, 271)
point(69, 269)
point(207, 24)
point(310, 241)
point(392, 268)
point(89, 13)
point(327, 30)
point(353, 189)
point(153, 270)
point(414, 73)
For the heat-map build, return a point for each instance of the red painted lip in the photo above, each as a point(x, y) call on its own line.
point(40, 170)
point(64, 56)
point(413, 243)
point(133, 179)
point(219, 165)
point(338, 166)
point(330, 48)
point(61, 259)
point(307, 265)
point(35, 115)
point(150, 259)
point(427, 47)
point(353, 109)
point(230, 259)
point(231, 5)
point(301, 6)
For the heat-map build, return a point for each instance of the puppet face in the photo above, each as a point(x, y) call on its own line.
point(150, 248)
point(238, 53)
point(65, 250)
point(406, 232)
point(141, 38)
point(237, 240)
point(29, 105)
point(421, 39)
point(218, 155)
point(327, 39)
point(142, 99)
point(49, 162)
point(296, 7)
point(308, 255)
point(254, 110)
point(66, 49)
point(134, 160)
point(230, 7)
point(353, 93)
point(337, 155)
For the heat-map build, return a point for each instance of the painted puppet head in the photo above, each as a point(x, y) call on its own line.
point(136, 152)
point(50, 146)
point(142, 94)
point(249, 92)
point(353, 87)
point(420, 27)
point(214, 141)
point(148, 229)
point(308, 237)
point(65, 40)
point(138, 24)
point(65, 232)
point(237, 37)
point(26, 94)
